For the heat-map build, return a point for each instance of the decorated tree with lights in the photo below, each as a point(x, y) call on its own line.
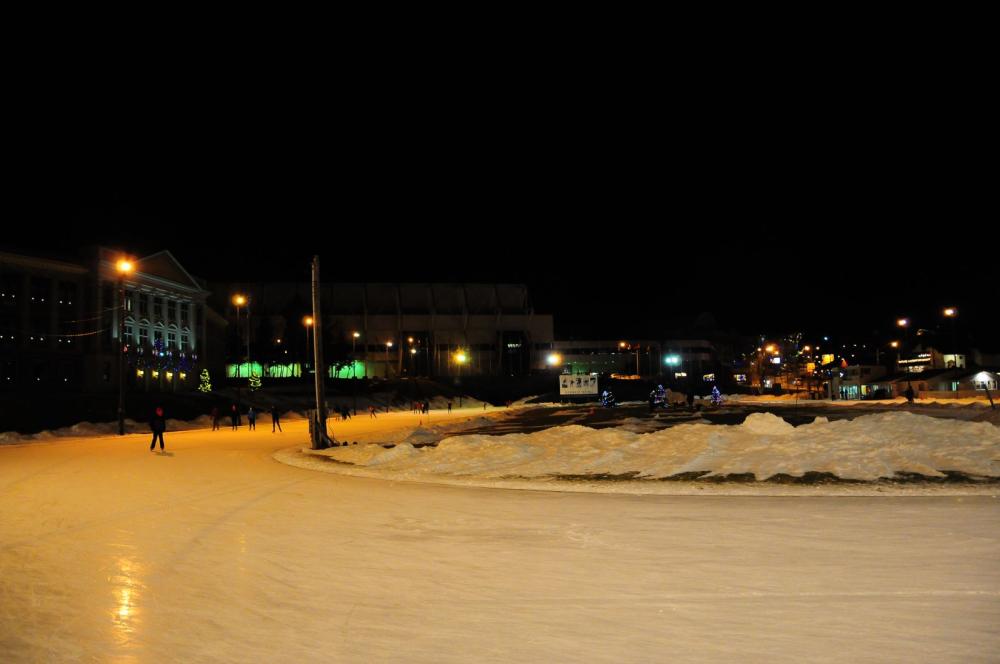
point(254, 382)
point(206, 382)
point(716, 395)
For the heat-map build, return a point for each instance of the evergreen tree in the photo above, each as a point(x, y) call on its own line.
point(206, 382)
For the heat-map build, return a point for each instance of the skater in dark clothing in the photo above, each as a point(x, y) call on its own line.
point(275, 419)
point(158, 425)
point(449, 406)
point(215, 418)
point(371, 413)
point(909, 393)
point(235, 414)
point(252, 419)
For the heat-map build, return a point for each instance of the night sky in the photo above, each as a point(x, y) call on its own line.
point(621, 217)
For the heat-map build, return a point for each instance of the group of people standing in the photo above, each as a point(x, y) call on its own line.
point(234, 416)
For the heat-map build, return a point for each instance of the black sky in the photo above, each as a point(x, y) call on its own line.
point(774, 203)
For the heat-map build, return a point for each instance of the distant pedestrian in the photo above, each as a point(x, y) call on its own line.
point(371, 413)
point(909, 394)
point(484, 405)
point(215, 418)
point(158, 425)
point(252, 419)
point(234, 413)
point(275, 419)
point(449, 406)
point(426, 407)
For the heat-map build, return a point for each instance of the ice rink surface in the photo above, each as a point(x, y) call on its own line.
point(215, 552)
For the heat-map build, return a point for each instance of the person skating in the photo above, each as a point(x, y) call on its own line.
point(371, 413)
point(909, 394)
point(449, 406)
point(235, 415)
point(252, 419)
point(158, 425)
point(275, 419)
point(215, 418)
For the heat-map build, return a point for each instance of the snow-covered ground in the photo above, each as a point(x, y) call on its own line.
point(214, 552)
point(868, 448)
point(770, 399)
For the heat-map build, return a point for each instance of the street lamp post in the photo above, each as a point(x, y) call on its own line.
point(239, 301)
point(124, 267)
point(952, 313)
point(460, 359)
point(905, 324)
point(354, 359)
point(388, 345)
point(307, 323)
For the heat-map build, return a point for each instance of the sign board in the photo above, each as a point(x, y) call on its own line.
point(577, 385)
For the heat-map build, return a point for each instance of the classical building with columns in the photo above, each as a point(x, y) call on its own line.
point(60, 322)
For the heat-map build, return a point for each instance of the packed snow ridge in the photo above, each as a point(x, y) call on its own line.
point(867, 448)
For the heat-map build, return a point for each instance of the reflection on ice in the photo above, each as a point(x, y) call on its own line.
point(126, 587)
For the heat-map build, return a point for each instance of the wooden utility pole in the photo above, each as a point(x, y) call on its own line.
point(320, 440)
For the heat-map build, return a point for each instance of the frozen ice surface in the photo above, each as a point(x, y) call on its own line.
point(215, 552)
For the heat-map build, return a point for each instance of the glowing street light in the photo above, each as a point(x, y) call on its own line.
point(951, 312)
point(307, 322)
point(354, 341)
point(554, 359)
point(124, 267)
point(240, 300)
point(903, 322)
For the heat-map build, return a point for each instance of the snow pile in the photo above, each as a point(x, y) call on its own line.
point(803, 399)
point(96, 429)
point(866, 448)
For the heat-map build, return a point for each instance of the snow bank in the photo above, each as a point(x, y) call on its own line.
point(95, 429)
point(866, 448)
point(765, 399)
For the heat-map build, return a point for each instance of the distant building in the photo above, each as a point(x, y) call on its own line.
point(379, 330)
point(59, 323)
point(937, 383)
point(854, 382)
point(931, 358)
point(674, 359)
